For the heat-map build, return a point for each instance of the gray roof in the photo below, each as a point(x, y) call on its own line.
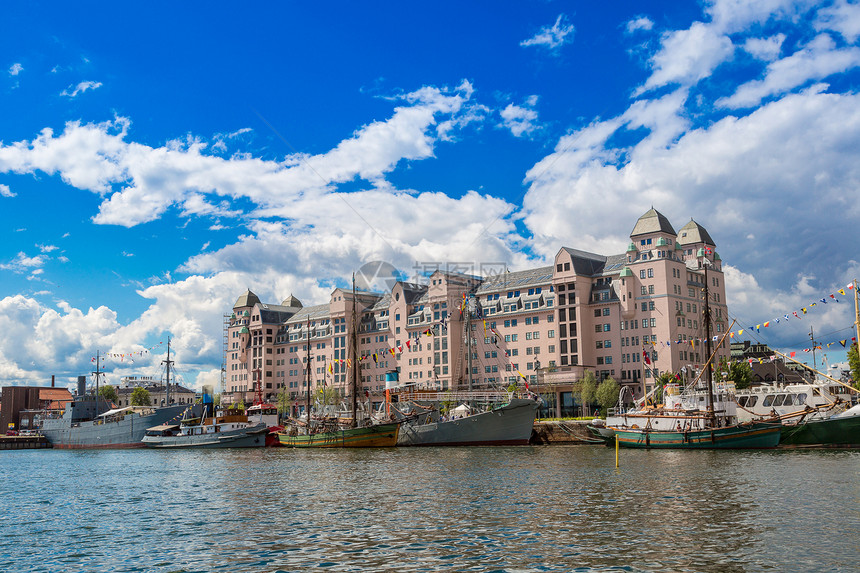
point(693, 232)
point(652, 222)
point(247, 299)
point(591, 264)
point(292, 302)
point(315, 312)
point(516, 279)
point(275, 314)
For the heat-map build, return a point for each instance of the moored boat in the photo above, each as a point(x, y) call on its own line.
point(372, 436)
point(838, 431)
point(738, 436)
point(510, 422)
point(230, 430)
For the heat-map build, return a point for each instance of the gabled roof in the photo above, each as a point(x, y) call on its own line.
point(652, 222)
point(693, 232)
point(247, 299)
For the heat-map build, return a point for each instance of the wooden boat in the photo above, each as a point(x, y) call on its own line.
point(745, 435)
point(336, 433)
point(373, 436)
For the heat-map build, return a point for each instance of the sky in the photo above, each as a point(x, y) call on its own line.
point(158, 160)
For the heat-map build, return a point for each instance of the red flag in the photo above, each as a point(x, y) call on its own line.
point(647, 358)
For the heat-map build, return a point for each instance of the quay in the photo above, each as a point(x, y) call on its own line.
point(549, 432)
point(23, 442)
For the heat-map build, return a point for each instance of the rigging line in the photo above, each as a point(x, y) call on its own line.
point(323, 179)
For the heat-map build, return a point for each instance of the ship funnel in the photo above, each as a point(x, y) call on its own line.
point(82, 385)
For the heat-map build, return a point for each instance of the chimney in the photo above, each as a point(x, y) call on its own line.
point(52, 380)
point(82, 385)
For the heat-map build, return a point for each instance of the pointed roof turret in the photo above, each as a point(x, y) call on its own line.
point(693, 232)
point(652, 222)
point(247, 299)
point(293, 302)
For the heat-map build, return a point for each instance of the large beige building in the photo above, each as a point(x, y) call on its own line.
point(545, 326)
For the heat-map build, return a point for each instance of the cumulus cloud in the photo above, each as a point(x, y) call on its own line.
point(80, 88)
point(842, 17)
point(23, 263)
point(98, 157)
point(552, 37)
point(16, 69)
point(767, 49)
point(5, 191)
point(816, 61)
point(521, 120)
point(687, 56)
point(639, 23)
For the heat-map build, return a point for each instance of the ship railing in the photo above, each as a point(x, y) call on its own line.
point(458, 396)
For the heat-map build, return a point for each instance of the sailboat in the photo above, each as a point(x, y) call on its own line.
point(482, 418)
point(325, 432)
point(682, 422)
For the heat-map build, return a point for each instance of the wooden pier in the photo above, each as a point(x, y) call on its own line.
point(23, 442)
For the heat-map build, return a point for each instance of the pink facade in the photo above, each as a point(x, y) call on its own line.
point(543, 327)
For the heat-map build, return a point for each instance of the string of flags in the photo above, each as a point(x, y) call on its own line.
point(130, 355)
point(797, 314)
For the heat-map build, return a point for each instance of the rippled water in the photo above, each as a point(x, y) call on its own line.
point(425, 509)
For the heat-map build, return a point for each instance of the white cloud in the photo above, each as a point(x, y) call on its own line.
point(552, 37)
point(23, 263)
point(687, 56)
point(521, 120)
point(843, 17)
point(47, 248)
point(766, 49)
point(785, 173)
point(80, 88)
point(5, 191)
point(16, 69)
point(98, 158)
point(731, 16)
point(639, 23)
point(816, 61)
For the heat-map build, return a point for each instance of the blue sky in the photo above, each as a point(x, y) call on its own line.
point(157, 160)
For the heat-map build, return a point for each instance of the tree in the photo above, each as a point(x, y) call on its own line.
point(108, 392)
point(854, 364)
point(140, 397)
point(284, 403)
point(662, 380)
point(741, 374)
point(607, 395)
point(325, 396)
point(585, 389)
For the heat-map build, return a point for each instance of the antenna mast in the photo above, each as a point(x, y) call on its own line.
point(167, 362)
point(354, 368)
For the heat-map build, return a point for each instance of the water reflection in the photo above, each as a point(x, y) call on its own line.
point(464, 509)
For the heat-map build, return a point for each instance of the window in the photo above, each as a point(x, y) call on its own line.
point(641, 273)
point(597, 312)
point(606, 311)
point(650, 273)
point(606, 327)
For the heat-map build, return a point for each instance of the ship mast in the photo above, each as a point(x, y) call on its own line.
point(706, 319)
point(308, 374)
point(167, 362)
point(857, 315)
point(97, 374)
point(468, 343)
point(355, 365)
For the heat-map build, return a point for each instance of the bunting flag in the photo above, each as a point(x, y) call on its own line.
point(348, 363)
point(407, 343)
point(331, 369)
point(375, 359)
point(792, 354)
point(842, 342)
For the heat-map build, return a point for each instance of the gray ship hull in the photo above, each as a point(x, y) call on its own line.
point(250, 437)
point(126, 432)
point(510, 424)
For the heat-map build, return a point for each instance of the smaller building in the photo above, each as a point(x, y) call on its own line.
point(158, 395)
point(19, 403)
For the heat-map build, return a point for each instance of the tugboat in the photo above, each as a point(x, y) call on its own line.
point(229, 430)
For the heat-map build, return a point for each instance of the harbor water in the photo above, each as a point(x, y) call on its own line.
point(562, 508)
